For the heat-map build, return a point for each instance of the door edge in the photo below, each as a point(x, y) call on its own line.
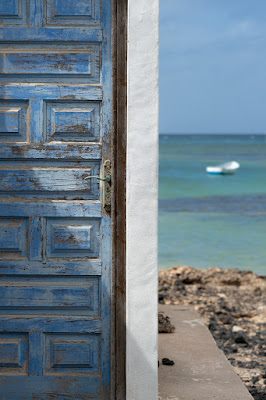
point(119, 146)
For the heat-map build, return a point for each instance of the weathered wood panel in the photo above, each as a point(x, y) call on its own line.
point(13, 12)
point(53, 151)
point(13, 121)
point(73, 12)
point(51, 267)
point(42, 34)
point(72, 353)
point(52, 294)
point(42, 63)
point(49, 92)
point(38, 61)
point(37, 179)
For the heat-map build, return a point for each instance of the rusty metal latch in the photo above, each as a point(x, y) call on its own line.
point(107, 180)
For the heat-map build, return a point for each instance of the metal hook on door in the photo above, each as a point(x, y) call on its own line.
point(106, 179)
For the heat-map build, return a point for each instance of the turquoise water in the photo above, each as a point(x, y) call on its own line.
point(207, 221)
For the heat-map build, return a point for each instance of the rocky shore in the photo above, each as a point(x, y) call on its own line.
point(232, 304)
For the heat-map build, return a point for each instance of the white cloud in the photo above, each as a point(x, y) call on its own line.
point(245, 28)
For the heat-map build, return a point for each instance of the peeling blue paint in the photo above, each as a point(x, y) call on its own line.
point(55, 236)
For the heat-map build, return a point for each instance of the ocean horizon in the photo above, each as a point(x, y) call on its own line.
point(212, 134)
point(212, 221)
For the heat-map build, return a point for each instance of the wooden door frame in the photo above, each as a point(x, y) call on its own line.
point(119, 143)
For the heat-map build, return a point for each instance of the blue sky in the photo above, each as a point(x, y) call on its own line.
point(213, 66)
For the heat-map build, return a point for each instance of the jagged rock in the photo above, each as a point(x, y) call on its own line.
point(164, 324)
point(237, 329)
point(240, 337)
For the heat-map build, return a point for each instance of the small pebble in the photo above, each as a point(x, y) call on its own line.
point(166, 361)
point(237, 329)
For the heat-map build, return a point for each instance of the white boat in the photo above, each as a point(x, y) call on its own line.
point(228, 168)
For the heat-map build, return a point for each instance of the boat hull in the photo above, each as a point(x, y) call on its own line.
point(223, 169)
point(222, 173)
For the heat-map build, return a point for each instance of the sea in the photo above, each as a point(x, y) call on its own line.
point(207, 220)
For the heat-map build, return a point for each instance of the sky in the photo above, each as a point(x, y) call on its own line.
point(212, 66)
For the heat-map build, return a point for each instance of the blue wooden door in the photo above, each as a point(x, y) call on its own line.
point(55, 246)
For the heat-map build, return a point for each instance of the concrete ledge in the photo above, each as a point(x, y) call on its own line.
point(201, 370)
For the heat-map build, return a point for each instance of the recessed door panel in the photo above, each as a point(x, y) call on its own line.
point(73, 12)
point(13, 121)
point(32, 62)
point(13, 12)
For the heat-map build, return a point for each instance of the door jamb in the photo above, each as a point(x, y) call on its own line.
point(119, 143)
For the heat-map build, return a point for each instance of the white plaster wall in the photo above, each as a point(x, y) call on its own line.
point(142, 194)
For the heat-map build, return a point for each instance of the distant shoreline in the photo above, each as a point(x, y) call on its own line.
point(205, 270)
point(211, 134)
